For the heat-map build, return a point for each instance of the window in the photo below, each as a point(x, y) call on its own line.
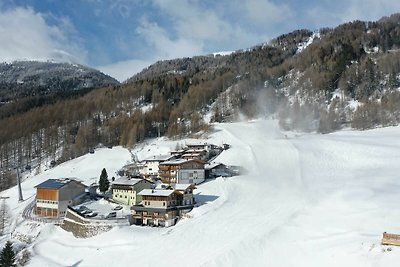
point(126, 196)
point(163, 203)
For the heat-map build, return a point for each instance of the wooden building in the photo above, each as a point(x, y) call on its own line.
point(390, 239)
point(163, 207)
point(182, 171)
point(53, 196)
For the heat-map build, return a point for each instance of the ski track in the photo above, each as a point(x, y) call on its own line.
point(309, 200)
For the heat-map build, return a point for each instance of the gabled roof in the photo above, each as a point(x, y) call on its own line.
point(212, 165)
point(159, 158)
point(128, 181)
point(180, 161)
point(156, 192)
point(56, 183)
point(182, 186)
point(197, 144)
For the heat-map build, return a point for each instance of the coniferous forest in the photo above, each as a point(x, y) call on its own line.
point(348, 76)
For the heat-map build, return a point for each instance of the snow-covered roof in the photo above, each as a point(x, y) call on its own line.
point(212, 165)
point(197, 144)
point(156, 192)
point(195, 151)
point(178, 161)
point(127, 181)
point(56, 183)
point(181, 186)
point(159, 158)
point(191, 155)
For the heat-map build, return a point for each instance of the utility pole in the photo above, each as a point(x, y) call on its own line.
point(20, 197)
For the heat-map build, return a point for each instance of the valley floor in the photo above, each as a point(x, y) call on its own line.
point(307, 200)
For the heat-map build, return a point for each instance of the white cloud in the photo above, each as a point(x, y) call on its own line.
point(164, 45)
point(25, 35)
point(347, 11)
point(125, 69)
point(369, 9)
point(193, 21)
point(266, 12)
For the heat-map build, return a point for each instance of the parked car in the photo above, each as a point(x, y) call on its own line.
point(111, 215)
point(82, 208)
point(91, 214)
point(118, 208)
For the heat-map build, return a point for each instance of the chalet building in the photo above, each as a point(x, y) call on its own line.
point(182, 171)
point(195, 154)
point(158, 208)
point(185, 194)
point(216, 169)
point(53, 196)
point(163, 207)
point(124, 190)
point(151, 164)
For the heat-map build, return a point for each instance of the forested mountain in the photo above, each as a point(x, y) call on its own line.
point(27, 84)
point(312, 81)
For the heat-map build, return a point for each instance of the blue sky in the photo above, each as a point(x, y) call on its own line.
point(120, 37)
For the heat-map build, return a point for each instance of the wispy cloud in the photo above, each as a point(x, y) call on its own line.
point(25, 35)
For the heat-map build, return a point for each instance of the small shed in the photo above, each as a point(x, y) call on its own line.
point(390, 239)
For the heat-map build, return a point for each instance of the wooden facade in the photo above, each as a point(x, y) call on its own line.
point(47, 194)
point(54, 195)
point(163, 207)
point(390, 239)
point(168, 171)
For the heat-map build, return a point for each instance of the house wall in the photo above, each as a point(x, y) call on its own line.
point(68, 196)
point(190, 176)
point(125, 196)
point(47, 194)
point(46, 202)
point(164, 219)
point(151, 168)
point(160, 201)
point(128, 196)
point(139, 187)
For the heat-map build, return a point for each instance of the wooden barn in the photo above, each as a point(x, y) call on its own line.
point(53, 196)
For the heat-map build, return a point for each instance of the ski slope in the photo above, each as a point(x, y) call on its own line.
point(307, 200)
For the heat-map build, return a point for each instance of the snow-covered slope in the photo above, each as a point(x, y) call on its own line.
point(307, 200)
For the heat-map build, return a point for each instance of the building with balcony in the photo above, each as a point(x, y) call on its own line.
point(182, 171)
point(163, 207)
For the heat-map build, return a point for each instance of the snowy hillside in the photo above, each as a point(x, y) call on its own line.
point(307, 200)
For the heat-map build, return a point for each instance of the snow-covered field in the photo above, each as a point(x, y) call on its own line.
point(307, 200)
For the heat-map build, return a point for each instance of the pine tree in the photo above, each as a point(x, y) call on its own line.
point(104, 183)
point(7, 256)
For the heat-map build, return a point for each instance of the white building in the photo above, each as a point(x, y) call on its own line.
point(182, 171)
point(151, 164)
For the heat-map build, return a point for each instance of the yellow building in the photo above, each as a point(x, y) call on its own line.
point(124, 190)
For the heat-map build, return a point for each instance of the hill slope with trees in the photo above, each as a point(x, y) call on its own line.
point(312, 81)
